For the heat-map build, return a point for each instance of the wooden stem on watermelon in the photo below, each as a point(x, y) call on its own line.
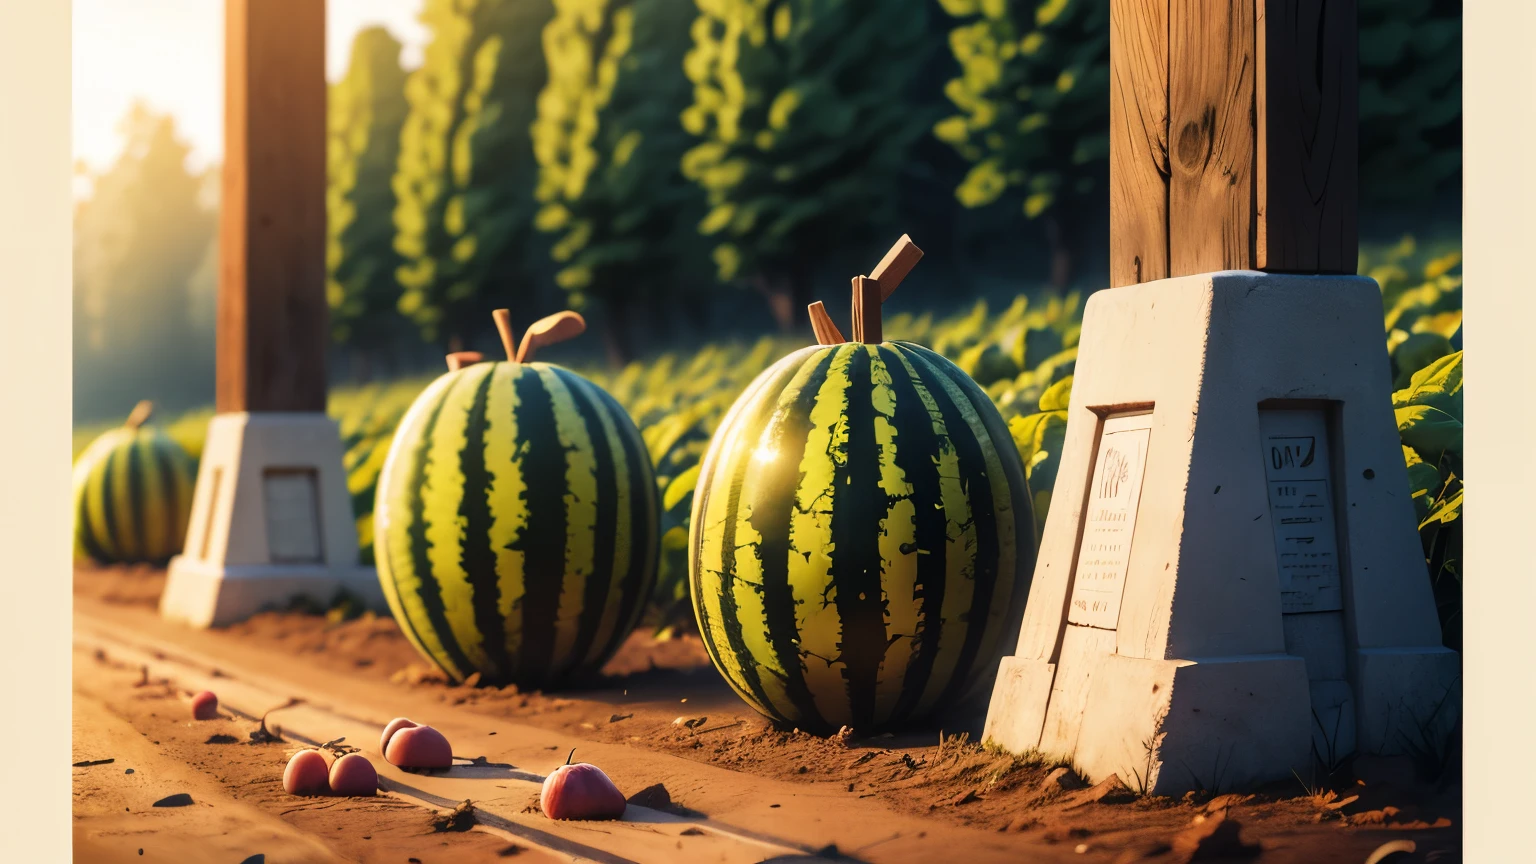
point(821, 324)
point(140, 414)
point(895, 266)
point(866, 311)
point(549, 331)
point(459, 359)
point(870, 291)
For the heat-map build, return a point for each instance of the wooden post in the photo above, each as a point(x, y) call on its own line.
point(273, 320)
point(1233, 137)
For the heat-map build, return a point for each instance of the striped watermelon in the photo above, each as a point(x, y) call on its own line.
point(133, 494)
point(515, 527)
point(861, 538)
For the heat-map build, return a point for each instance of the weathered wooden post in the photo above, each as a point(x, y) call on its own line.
point(1230, 586)
point(271, 517)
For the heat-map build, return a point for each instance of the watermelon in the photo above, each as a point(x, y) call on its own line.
point(515, 524)
point(133, 494)
point(861, 537)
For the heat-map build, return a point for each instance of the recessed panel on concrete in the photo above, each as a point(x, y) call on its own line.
point(1299, 468)
point(1110, 521)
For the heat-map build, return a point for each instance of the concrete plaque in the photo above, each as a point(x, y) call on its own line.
point(293, 516)
point(1109, 523)
point(1299, 468)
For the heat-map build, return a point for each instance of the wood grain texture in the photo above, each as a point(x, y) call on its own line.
point(273, 322)
point(1138, 131)
point(822, 325)
point(1211, 135)
point(1308, 114)
point(895, 266)
point(866, 311)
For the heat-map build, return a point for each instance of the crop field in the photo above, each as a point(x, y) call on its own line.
point(1023, 355)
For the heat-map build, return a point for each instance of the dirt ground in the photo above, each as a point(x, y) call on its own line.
point(663, 696)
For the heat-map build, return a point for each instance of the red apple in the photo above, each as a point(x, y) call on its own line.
point(306, 774)
point(419, 747)
point(390, 729)
point(353, 774)
point(205, 706)
point(580, 791)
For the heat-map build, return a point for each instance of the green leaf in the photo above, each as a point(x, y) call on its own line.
point(1057, 396)
point(681, 487)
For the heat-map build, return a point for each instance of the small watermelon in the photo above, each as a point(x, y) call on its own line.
point(515, 527)
point(133, 494)
point(861, 538)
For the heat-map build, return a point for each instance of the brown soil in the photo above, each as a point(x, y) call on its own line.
point(664, 696)
point(220, 795)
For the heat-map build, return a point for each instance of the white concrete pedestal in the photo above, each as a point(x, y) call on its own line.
point(271, 521)
point(1230, 585)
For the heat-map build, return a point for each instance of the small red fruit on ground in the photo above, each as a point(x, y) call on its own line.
point(580, 791)
point(306, 774)
point(390, 729)
point(419, 747)
point(353, 775)
point(205, 706)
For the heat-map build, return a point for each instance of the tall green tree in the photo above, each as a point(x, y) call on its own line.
point(609, 147)
point(466, 172)
point(803, 132)
point(1033, 121)
point(367, 110)
point(1410, 102)
point(139, 239)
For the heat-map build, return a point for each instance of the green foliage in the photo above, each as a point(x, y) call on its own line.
point(140, 239)
point(1033, 98)
point(802, 127)
point(678, 399)
point(367, 109)
point(1410, 100)
point(466, 172)
point(1429, 420)
point(609, 148)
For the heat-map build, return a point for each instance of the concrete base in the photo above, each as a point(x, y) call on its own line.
point(1230, 586)
point(271, 521)
point(204, 595)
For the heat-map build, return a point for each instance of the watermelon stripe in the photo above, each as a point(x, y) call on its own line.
point(953, 403)
point(581, 496)
point(153, 526)
point(170, 497)
point(444, 492)
point(635, 518)
point(84, 531)
point(477, 557)
point(856, 549)
point(774, 484)
point(106, 498)
point(134, 466)
point(595, 593)
point(543, 540)
point(509, 517)
point(398, 484)
point(716, 472)
point(741, 667)
point(1015, 536)
point(921, 436)
point(450, 656)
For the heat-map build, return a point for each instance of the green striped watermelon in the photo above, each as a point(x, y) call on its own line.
point(515, 527)
point(861, 539)
point(133, 494)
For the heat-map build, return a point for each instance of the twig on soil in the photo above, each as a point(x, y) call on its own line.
point(265, 735)
point(90, 762)
point(460, 818)
point(335, 746)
